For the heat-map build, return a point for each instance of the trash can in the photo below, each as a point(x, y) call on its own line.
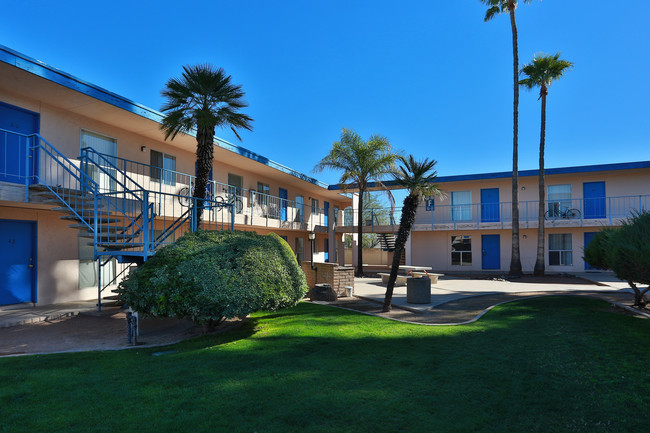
point(418, 290)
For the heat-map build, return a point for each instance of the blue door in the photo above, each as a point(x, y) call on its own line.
point(14, 164)
point(282, 193)
point(593, 194)
point(326, 249)
point(326, 246)
point(491, 251)
point(588, 237)
point(326, 206)
point(490, 205)
point(17, 262)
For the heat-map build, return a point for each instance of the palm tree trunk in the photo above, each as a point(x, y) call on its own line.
point(406, 222)
point(539, 263)
point(204, 156)
point(360, 234)
point(515, 261)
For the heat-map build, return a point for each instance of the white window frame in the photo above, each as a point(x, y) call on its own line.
point(461, 253)
point(167, 175)
point(558, 199)
point(461, 205)
point(564, 255)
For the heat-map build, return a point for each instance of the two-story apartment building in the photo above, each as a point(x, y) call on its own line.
point(88, 186)
point(470, 228)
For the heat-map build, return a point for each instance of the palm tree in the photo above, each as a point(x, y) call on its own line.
point(541, 72)
point(199, 101)
point(361, 163)
point(418, 178)
point(496, 7)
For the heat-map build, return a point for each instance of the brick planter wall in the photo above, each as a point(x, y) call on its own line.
point(329, 273)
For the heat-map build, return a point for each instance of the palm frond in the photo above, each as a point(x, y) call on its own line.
point(203, 96)
point(543, 70)
point(417, 176)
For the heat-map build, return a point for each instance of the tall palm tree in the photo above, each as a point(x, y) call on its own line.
point(361, 162)
point(418, 178)
point(541, 72)
point(496, 7)
point(199, 101)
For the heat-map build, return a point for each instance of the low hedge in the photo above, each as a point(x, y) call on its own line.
point(207, 276)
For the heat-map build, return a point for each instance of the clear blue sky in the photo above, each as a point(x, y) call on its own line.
point(429, 75)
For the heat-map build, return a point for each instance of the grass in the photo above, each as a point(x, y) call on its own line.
point(549, 364)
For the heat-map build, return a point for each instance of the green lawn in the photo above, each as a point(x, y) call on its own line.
point(549, 364)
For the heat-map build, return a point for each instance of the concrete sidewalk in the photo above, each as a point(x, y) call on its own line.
point(22, 314)
point(448, 288)
point(452, 288)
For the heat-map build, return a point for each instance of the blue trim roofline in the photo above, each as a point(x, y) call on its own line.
point(41, 69)
point(525, 173)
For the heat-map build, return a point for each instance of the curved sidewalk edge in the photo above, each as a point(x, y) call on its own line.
point(468, 310)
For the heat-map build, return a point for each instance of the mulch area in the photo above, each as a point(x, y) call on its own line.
point(469, 309)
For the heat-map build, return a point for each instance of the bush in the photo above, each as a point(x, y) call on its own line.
point(596, 251)
point(208, 276)
point(626, 251)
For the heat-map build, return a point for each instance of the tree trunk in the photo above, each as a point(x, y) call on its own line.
point(204, 156)
point(515, 261)
point(639, 295)
point(540, 262)
point(360, 234)
point(406, 222)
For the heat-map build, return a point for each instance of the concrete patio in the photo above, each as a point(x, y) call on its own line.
point(451, 288)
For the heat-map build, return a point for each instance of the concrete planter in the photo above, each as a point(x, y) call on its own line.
point(418, 290)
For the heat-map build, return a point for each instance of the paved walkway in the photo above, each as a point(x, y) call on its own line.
point(448, 288)
point(455, 288)
point(25, 329)
point(23, 314)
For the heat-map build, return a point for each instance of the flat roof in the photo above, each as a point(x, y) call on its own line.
point(50, 73)
point(522, 173)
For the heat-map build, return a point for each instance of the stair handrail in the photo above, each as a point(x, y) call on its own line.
point(85, 181)
point(178, 222)
point(86, 159)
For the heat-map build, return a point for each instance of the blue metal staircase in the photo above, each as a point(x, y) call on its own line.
point(121, 219)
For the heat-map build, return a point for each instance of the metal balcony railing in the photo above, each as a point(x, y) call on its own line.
point(572, 212)
point(251, 207)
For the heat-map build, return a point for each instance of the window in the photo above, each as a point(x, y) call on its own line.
point(264, 189)
point(461, 250)
point(461, 205)
point(314, 207)
point(235, 185)
point(103, 170)
point(89, 268)
point(163, 167)
point(300, 208)
point(559, 198)
point(262, 198)
point(560, 251)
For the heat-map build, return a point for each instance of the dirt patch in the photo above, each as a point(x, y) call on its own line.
point(95, 331)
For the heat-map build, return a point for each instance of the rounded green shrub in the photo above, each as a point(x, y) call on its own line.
point(596, 251)
point(207, 276)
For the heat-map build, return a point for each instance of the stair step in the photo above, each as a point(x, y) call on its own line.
point(119, 245)
point(103, 219)
point(109, 237)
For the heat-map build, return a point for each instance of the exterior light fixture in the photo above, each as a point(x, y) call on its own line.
point(312, 236)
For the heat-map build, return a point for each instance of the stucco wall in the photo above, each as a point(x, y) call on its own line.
point(433, 248)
